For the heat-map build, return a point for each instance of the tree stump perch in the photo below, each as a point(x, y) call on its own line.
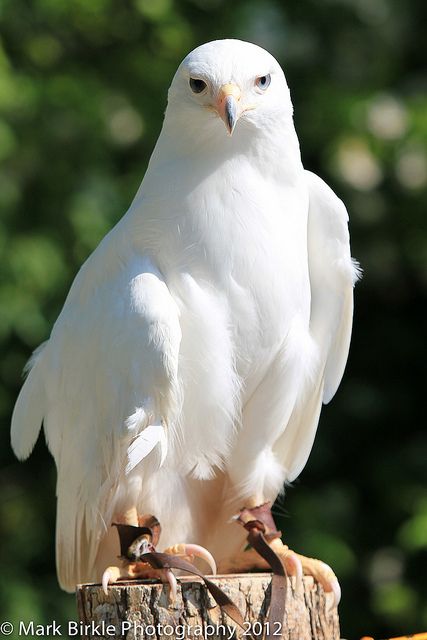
point(140, 610)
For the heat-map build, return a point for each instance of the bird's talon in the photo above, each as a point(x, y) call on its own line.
point(197, 551)
point(294, 568)
point(168, 576)
point(191, 551)
point(110, 576)
point(323, 573)
point(298, 565)
point(336, 590)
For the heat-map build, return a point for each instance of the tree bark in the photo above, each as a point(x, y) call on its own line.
point(141, 611)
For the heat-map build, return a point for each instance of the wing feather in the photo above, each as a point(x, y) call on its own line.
point(112, 356)
point(28, 413)
point(333, 274)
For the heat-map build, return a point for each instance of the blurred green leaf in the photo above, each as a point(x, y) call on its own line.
point(413, 533)
point(396, 601)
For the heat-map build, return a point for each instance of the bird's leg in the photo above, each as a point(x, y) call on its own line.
point(140, 538)
point(294, 563)
point(131, 517)
point(130, 567)
point(249, 559)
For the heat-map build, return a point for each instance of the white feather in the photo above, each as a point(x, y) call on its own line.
point(28, 413)
point(143, 444)
point(333, 274)
point(332, 277)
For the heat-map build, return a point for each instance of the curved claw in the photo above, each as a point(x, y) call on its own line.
point(329, 581)
point(110, 575)
point(193, 550)
point(200, 552)
point(336, 590)
point(168, 576)
point(294, 568)
point(295, 565)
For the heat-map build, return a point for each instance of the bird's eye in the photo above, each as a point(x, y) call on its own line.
point(197, 85)
point(263, 82)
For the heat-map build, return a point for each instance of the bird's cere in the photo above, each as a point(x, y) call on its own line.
point(228, 105)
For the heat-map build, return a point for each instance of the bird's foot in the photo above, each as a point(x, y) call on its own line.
point(295, 564)
point(135, 542)
point(138, 571)
point(250, 560)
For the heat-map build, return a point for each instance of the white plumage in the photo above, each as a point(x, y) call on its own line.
point(186, 371)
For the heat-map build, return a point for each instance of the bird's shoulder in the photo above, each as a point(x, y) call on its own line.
point(326, 208)
point(117, 281)
point(328, 233)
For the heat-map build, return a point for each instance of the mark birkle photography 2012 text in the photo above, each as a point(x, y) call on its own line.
point(104, 629)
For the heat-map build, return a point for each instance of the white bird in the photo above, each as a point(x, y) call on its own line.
point(185, 374)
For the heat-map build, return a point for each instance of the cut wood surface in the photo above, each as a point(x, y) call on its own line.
point(140, 610)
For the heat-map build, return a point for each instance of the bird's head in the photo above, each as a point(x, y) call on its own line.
point(231, 81)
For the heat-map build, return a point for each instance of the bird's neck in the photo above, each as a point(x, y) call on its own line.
point(274, 150)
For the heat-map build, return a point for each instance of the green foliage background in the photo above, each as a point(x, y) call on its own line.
point(82, 91)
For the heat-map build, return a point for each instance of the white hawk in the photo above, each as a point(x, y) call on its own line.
point(185, 374)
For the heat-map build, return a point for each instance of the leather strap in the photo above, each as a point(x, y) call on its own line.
point(167, 561)
point(279, 583)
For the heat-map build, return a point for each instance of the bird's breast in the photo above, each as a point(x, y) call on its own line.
point(239, 255)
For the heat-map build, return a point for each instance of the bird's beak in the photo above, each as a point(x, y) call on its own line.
point(228, 105)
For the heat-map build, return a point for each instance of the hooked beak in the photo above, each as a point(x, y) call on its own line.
point(228, 105)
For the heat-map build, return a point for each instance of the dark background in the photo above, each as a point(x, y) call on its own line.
point(82, 92)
